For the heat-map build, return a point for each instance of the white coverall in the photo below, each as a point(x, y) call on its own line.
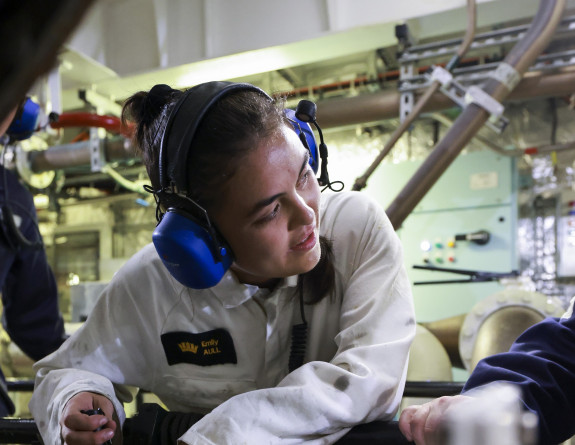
point(229, 345)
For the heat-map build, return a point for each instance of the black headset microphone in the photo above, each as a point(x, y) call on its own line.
point(306, 112)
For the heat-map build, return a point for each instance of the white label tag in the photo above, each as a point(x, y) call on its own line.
point(481, 181)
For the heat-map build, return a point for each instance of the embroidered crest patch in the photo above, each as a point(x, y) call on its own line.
point(204, 349)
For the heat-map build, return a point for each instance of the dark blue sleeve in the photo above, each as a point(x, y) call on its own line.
point(29, 294)
point(542, 363)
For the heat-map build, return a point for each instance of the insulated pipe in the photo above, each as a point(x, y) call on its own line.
point(384, 105)
point(361, 181)
point(469, 35)
point(334, 113)
point(473, 116)
point(76, 154)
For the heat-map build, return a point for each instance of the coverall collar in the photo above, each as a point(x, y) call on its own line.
point(231, 293)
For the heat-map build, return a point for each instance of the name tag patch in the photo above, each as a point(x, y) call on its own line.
point(204, 349)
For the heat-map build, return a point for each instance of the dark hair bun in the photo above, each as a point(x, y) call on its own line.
point(154, 103)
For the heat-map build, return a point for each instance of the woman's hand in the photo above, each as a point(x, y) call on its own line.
point(422, 423)
point(80, 428)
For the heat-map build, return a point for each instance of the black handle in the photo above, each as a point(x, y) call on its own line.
point(19, 431)
point(481, 237)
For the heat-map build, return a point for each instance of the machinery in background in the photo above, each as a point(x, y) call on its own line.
point(466, 224)
point(477, 194)
point(428, 361)
point(494, 323)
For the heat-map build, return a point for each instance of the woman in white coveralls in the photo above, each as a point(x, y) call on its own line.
point(213, 334)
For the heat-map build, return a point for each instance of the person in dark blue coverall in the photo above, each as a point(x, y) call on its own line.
point(541, 362)
point(31, 315)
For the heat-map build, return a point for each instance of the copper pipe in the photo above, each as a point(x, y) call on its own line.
point(473, 116)
point(470, 33)
point(357, 82)
point(484, 140)
point(361, 181)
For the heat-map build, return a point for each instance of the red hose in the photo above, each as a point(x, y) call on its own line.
point(81, 119)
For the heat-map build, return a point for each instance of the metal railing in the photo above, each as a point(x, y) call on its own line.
point(155, 426)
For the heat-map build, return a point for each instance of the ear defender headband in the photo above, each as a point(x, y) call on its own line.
point(191, 248)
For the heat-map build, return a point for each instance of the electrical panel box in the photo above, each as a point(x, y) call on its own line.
point(477, 193)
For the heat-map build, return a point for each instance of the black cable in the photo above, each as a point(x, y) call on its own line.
point(330, 186)
point(324, 175)
point(323, 179)
point(9, 227)
point(554, 120)
point(306, 112)
point(3, 212)
point(298, 337)
point(175, 424)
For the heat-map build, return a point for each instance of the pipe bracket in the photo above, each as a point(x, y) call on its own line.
point(463, 97)
point(497, 121)
point(97, 158)
point(506, 75)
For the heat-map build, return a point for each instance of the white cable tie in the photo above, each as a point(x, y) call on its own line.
point(507, 75)
point(443, 76)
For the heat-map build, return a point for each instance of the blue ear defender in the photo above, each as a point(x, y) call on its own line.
point(25, 122)
point(192, 250)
